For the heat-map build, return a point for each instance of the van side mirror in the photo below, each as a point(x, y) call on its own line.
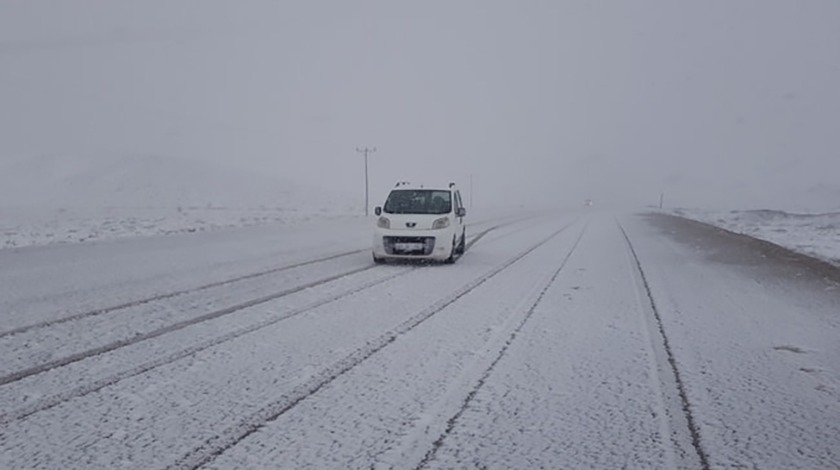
point(378, 210)
point(460, 212)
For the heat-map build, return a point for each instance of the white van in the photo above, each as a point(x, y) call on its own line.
point(420, 222)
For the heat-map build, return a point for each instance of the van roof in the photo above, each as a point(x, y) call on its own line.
point(436, 187)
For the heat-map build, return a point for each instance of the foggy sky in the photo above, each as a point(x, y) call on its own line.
point(719, 104)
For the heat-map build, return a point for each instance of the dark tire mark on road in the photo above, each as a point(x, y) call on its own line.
point(59, 398)
point(217, 445)
point(169, 295)
point(451, 422)
point(55, 400)
point(665, 347)
point(44, 367)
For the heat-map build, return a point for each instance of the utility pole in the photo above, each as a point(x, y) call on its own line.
point(366, 151)
point(661, 199)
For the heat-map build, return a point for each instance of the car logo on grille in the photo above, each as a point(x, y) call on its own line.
point(411, 224)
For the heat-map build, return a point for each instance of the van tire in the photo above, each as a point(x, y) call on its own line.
point(462, 247)
point(452, 253)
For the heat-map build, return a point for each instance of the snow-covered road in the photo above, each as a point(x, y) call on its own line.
point(569, 340)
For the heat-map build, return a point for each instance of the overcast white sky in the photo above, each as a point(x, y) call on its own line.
point(717, 103)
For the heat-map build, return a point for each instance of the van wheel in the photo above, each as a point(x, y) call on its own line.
point(452, 253)
point(462, 247)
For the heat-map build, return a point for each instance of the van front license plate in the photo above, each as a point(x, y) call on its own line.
point(409, 246)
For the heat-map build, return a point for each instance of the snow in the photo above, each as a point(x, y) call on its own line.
point(815, 235)
point(160, 309)
point(538, 348)
point(257, 375)
point(27, 227)
point(758, 352)
point(42, 283)
point(577, 387)
point(71, 199)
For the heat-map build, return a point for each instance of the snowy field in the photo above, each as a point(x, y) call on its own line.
point(816, 235)
point(21, 227)
point(72, 199)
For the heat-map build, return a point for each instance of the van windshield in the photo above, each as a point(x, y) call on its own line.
point(418, 201)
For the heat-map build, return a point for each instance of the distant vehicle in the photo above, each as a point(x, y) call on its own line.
point(420, 222)
point(588, 203)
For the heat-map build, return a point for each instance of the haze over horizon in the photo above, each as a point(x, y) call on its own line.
point(717, 104)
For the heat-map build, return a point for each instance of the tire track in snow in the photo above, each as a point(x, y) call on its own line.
point(54, 400)
point(61, 362)
point(217, 445)
point(679, 412)
point(169, 295)
point(453, 420)
point(203, 287)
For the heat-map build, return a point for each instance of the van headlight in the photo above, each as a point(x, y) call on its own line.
point(442, 222)
point(383, 222)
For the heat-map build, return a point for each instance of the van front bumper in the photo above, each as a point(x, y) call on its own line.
point(393, 244)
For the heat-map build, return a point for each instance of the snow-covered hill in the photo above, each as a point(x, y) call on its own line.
point(47, 199)
point(148, 181)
